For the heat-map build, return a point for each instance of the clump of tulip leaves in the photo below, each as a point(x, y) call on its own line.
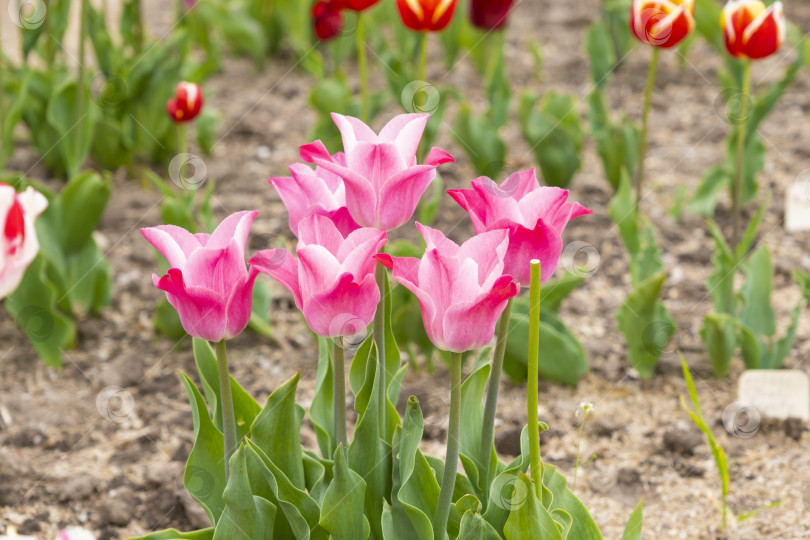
point(382, 485)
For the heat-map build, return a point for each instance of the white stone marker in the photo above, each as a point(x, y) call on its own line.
point(776, 393)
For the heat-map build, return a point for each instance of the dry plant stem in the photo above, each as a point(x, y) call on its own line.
point(339, 370)
point(379, 339)
point(645, 122)
point(363, 67)
point(451, 459)
point(741, 133)
point(535, 459)
point(493, 388)
point(228, 417)
point(579, 444)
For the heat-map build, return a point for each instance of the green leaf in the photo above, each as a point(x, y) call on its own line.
point(342, 509)
point(474, 527)
point(802, 279)
point(82, 205)
point(322, 410)
point(472, 403)
point(622, 212)
point(782, 347)
point(174, 534)
point(246, 516)
point(581, 525)
point(719, 334)
point(528, 519)
point(633, 529)
point(705, 198)
point(277, 431)
point(646, 325)
point(554, 291)
point(601, 53)
point(33, 305)
point(74, 128)
point(205, 469)
point(721, 281)
point(481, 141)
point(757, 312)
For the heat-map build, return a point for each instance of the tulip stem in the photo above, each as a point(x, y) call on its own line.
point(80, 97)
point(645, 121)
point(379, 339)
point(493, 387)
point(451, 459)
point(362, 61)
point(182, 139)
point(339, 369)
point(742, 126)
point(226, 402)
point(423, 55)
point(535, 458)
point(2, 99)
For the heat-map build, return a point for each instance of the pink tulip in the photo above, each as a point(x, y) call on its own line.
point(534, 216)
point(319, 192)
point(18, 211)
point(461, 290)
point(332, 279)
point(208, 284)
point(383, 181)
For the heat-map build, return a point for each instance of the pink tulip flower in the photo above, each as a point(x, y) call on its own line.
point(208, 284)
point(20, 246)
point(461, 290)
point(383, 181)
point(534, 216)
point(320, 192)
point(332, 279)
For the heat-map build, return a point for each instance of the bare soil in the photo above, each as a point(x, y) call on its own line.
point(69, 456)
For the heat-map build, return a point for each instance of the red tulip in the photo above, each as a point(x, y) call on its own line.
point(354, 5)
point(186, 103)
point(18, 243)
point(490, 14)
point(327, 19)
point(751, 30)
point(662, 23)
point(426, 15)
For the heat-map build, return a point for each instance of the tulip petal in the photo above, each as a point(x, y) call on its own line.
point(471, 202)
point(234, 227)
point(216, 269)
point(240, 304)
point(400, 196)
point(356, 254)
point(437, 157)
point(435, 239)
point(326, 313)
point(541, 243)
point(318, 269)
point(471, 325)
point(282, 267)
point(405, 132)
point(174, 243)
point(319, 231)
point(353, 131)
point(481, 249)
point(201, 310)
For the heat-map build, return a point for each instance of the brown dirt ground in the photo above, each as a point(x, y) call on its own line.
point(62, 462)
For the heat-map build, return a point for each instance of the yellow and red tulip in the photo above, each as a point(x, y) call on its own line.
point(751, 30)
point(186, 103)
point(662, 23)
point(427, 15)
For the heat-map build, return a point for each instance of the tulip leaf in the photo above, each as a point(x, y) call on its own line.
point(554, 134)
point(342, 509)
point(298, 512)
point(322, 410)
point(645, 324)
point(633, 529)
point(719, 333)
point(415, 489)
point(474, 527)
point(601, 53)
point(277, 431)
point(617, 142)
point(33, 305)
point(622, 212)
point(89, 192)
point(482, 142)
point(245, 407)
point(174, 534)
point(579, 523)
point(472, 403)
point(205, 472)
point(757, 312)
point(528, 518)
point(554, 291)
point(246, 515)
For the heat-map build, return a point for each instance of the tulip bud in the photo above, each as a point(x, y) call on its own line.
point(490, 14)
point(662, 23)
point(186, 103)
point(326, 19)
point(427, 15)
point(751, 30)
point(18, 244)
point(354, 5)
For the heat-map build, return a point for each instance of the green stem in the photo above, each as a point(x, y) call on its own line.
point(451, 459)
point(80, 97)
point(363, 66)
point(2, 97)
point(493, 387)
point(228, 417)
point(535, 459)
point(423, 55)
point(742, 125)
point(339, 371)
point(645, 125)
point(379, 339)
point(137, 28)
point(182, 138)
